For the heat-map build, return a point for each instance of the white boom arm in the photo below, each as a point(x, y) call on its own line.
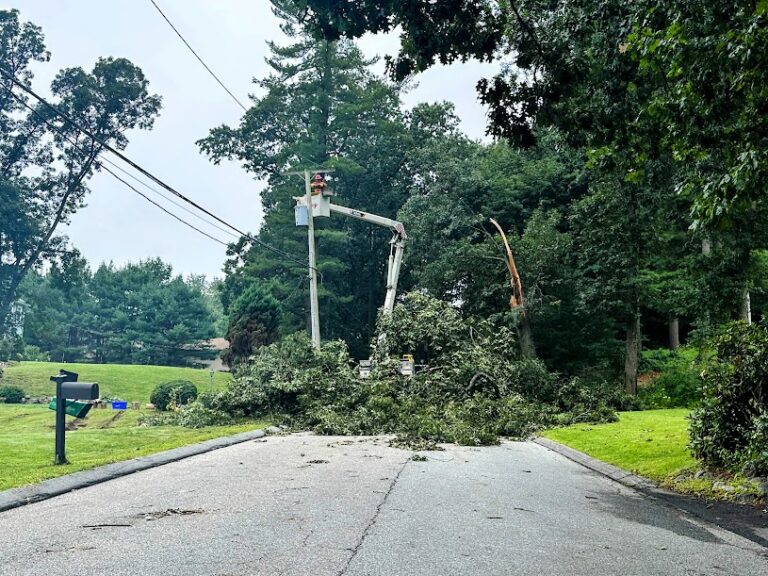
point(396, 252)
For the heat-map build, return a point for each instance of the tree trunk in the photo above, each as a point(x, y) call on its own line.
point(517, 299)
point(674, 333)
point(526, 338)
point(745, 313)
point(631, 358)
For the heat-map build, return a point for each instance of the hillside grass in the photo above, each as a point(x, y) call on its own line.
point(107, 436)
point(128, 382)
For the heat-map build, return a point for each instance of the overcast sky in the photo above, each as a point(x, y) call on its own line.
point(231, 35)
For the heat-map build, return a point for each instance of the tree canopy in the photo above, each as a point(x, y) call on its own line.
point(135, 314)
point(45, 162)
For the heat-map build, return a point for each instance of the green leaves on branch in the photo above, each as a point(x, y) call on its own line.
point(730, 428)
point(473, 389)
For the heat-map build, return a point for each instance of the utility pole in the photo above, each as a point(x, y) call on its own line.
point(318, 202)
point(314, 310)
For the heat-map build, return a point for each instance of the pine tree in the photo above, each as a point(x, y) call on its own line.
point(321, 106)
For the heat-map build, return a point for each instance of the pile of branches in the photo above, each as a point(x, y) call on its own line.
point(472, 386)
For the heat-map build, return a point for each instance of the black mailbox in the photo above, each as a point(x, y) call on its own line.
point(79, 390)
point(67, 386)
point(65, 376)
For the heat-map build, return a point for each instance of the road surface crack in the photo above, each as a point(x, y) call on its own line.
point(373, 520)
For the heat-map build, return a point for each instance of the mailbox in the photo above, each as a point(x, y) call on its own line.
point(67, 387)
point(79, 390)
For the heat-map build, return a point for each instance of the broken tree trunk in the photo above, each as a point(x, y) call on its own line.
point(517, 300)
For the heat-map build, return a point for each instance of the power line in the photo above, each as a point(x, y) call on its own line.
point(171, 214)
point(199, 59)
point(163, 196)
point(114, 151)
point(147, 198)
point(145, 172)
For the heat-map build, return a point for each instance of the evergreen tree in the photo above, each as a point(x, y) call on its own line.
point(321, 107)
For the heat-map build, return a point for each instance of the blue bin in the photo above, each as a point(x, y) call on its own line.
point(119, 405)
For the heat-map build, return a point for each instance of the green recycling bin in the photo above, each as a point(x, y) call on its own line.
point(73, 408)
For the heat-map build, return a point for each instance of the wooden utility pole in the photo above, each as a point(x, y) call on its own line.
point(314, 310)
point(517, 299)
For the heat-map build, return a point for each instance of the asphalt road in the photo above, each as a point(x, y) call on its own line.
point(345, 506)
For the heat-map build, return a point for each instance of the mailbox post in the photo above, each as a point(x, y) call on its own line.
point(67, 386)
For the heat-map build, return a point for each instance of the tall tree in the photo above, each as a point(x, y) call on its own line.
point(136, 314)
point(321, 108)
point(45, 162)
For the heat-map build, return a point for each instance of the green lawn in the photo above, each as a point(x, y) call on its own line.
point(132, 383)
point(653, 443)
point(27, 437)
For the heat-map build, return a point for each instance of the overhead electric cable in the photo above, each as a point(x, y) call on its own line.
point(145, 172)
point(171, 214)
point(147, 198)
point(168, 199)
point(199, 59)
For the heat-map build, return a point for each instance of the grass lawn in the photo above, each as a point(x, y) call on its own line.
point(132, 383)
point(652, 443)
point(27, 438)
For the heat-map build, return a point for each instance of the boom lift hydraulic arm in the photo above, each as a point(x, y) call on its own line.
point(316, 203)
point(397, 246)
point(321, 205)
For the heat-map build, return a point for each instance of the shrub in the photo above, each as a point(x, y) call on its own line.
point(730, 426)
point(675, 388)
point(175, 392)
point(12, 394)
point(655, 360)
point(678, 384)
point(10, 348)
point(34, 354)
